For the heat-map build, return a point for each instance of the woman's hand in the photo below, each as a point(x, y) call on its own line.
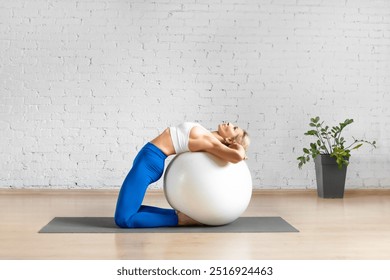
point(239, 148)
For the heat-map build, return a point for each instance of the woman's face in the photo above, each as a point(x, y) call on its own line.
point(229, 130)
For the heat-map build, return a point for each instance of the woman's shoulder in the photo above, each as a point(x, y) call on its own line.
point(201, 139)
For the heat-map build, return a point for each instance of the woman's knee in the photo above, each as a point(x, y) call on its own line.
point(121, 220)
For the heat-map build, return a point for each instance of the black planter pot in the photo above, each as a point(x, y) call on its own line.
point(330, 179)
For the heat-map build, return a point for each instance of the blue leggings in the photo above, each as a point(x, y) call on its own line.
point(148, 167)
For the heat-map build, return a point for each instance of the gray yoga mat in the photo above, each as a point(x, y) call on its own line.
point(107, 225)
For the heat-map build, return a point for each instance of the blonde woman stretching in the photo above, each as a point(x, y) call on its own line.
point(228, 142)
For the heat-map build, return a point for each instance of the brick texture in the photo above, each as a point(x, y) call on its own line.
point(85, 83)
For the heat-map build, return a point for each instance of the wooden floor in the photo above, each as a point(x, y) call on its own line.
point(356, 227)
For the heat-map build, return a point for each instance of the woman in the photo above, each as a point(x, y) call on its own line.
point(228, 142)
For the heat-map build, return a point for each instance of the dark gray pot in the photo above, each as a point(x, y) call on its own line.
point(330, 179)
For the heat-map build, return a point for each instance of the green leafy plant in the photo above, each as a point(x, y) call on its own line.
point(330, 142)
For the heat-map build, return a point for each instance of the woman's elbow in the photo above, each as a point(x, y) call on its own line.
point(236, 158)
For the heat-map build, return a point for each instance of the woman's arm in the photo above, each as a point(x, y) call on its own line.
point(233, 153)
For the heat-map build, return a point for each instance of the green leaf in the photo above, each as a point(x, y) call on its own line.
point(357, 146)
point(311, 132)
point(315, 120)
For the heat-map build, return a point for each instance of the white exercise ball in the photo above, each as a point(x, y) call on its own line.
point(208, 189)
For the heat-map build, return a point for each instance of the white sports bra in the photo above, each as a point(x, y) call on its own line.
point(180, 136)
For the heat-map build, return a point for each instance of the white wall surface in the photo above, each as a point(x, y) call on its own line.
point(85, 83)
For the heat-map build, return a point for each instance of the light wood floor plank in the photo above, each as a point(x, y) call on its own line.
point(356, 227)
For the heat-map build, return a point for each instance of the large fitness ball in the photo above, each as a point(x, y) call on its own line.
point(206, 188)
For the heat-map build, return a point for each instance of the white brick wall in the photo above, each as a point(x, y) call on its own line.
point(85, 83)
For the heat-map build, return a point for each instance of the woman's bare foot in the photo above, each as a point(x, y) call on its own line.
point(184, 220)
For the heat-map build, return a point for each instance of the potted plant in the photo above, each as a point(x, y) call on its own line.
point(331, 156)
